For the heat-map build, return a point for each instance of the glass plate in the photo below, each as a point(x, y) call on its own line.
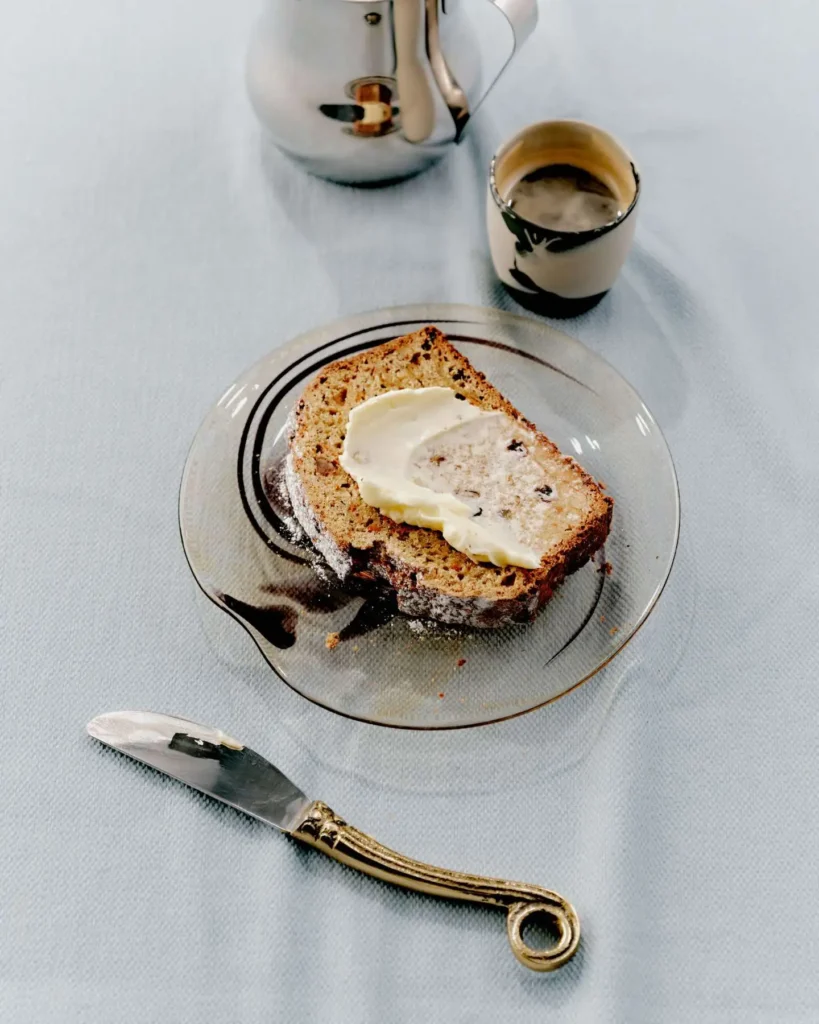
point(240, 542)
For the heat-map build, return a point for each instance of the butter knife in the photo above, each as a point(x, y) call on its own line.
point(210, 761)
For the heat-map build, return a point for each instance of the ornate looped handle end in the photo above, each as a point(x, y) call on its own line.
point(324, 830)
point(565, 921)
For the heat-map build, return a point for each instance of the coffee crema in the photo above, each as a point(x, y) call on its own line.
point(564, 198)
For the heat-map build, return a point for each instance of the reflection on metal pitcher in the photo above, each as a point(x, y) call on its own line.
point(378, 91)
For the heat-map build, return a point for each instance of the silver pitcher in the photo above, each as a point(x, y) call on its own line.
point(364, 91)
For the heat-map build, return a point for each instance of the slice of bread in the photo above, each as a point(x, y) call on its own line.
point(430, 578)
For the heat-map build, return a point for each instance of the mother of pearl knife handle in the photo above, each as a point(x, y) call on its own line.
point(321, 828)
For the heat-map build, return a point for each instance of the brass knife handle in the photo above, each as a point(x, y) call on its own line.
point(325, 831)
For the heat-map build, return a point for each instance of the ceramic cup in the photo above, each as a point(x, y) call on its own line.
point(553, 270)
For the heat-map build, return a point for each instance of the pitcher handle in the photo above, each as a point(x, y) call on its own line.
point(451, 93)
point(521, 15)
point(522, 18)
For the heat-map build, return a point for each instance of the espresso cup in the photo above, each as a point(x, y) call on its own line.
point(566, 268)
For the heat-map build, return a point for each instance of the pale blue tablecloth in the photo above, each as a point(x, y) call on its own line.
point(147, 255)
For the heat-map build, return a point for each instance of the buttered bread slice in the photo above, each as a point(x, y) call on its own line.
point(448, 496)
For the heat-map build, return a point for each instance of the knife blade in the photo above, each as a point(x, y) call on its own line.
point(214, 763)
point(205, 759)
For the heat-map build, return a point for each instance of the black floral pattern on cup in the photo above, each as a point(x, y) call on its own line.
point(523, 279)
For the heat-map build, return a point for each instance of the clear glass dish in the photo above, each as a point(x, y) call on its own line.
point(241, 546)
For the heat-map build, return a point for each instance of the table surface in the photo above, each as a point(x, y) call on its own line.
point(150, 250)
